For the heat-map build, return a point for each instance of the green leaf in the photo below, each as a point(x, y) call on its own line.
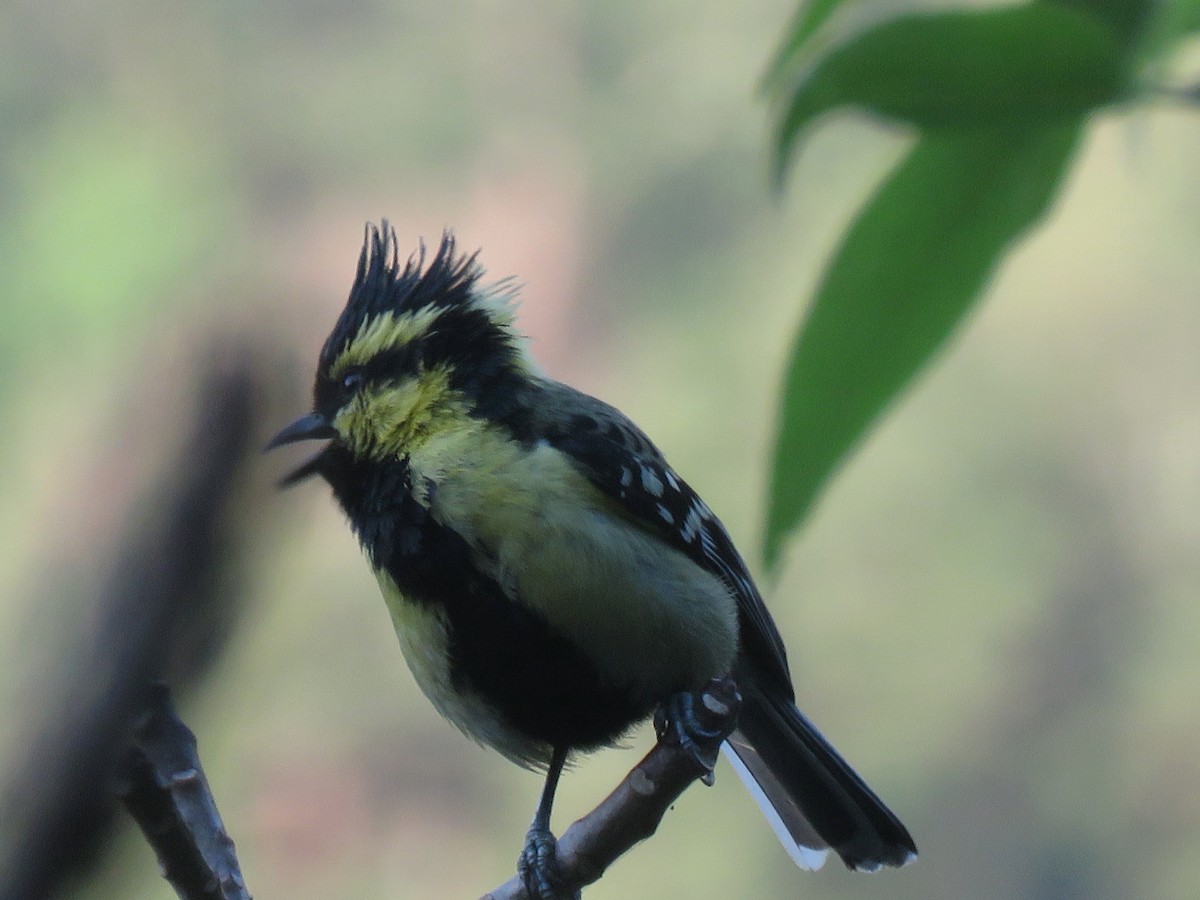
point(966, 69)
point(1173, 21)
point(808, 20)
point(906, 273)
point(1126, 18)
point(1183, 17)
point(1189, 16)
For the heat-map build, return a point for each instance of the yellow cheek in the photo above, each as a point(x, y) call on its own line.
point(395, 420)
point(358, 425)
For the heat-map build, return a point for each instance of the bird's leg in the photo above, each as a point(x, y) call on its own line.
point(678, 719)
point(538, 863)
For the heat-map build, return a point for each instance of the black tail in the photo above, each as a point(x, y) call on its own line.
point(811, 796)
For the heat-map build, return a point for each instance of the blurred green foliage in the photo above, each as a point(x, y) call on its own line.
point(999, 97)
point(906, 272)
point(993, 610)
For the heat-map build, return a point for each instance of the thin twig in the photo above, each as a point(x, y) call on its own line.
point(632, 812)
point(163, 786)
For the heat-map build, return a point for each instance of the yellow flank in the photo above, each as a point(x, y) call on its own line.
point(424, 643)
point(384, 332)
point(639, 609)
point(390, 421)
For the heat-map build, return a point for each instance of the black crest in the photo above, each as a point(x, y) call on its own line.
point(381, 285)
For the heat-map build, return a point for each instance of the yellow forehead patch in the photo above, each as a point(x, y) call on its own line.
point(383, 332)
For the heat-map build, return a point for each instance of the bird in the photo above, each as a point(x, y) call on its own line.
point(553, 582)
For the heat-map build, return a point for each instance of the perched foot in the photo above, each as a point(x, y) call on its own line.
point(538, 868)
point(699, 721)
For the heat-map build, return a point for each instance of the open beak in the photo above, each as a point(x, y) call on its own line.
point(313, 427)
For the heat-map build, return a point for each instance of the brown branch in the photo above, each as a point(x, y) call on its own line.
point(165, 606)
point(163, 786)
point(632, 812)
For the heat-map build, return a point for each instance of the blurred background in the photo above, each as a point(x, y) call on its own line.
point(993, 613)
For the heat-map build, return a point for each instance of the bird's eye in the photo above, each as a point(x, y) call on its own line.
point(352, 382)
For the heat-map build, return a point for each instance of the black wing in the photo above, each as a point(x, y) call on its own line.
point(622, 462)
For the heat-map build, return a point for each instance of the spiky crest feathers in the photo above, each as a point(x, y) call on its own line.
point(422, 324)
point(391, 304)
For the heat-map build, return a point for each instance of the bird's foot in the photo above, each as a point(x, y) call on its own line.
point(539, 870)
point(699, 722)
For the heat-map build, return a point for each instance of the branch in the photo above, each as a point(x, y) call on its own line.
point(163, 786)
point(165, 606)
point(631, 813)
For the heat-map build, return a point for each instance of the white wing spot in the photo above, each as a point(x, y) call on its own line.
point(651, 482)
point(671, 479)
point(626, 477)
point(666, 514)
point(691, 525)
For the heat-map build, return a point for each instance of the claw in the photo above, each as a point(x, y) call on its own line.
point(695, 729)
point(539, 870)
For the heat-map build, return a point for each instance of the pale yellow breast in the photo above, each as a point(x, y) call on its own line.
point(559, 546)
